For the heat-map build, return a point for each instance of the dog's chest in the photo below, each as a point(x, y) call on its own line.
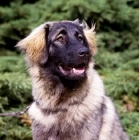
point(66, 125)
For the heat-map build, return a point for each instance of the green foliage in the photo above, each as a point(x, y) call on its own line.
point(15, 130)
point(15, 94)
point(121, 73)
point(117, 60)
point(131, 123)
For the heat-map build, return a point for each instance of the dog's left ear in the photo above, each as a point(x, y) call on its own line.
point(76, 21)
point(89, 33)
point(35, 43)
point(91, 38)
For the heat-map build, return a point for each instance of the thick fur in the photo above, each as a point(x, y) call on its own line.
point(67, 107)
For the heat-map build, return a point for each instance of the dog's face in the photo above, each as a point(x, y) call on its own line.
point(68, 51)
point(64, 48)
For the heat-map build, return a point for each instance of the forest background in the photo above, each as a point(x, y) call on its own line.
point(117, 61)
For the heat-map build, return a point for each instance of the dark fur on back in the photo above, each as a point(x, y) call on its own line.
point(70, 101)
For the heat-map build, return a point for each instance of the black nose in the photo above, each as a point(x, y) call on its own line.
point(83, 52)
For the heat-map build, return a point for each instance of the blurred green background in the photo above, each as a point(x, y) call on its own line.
point(117, 61)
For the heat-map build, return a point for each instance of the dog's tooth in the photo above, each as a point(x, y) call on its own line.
point(77, 72)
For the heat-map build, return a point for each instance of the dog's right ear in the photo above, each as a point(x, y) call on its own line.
point(35, 43)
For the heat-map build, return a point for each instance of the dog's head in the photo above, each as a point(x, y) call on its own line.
point(64, 48)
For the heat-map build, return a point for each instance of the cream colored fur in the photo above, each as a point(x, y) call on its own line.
point(86, 104)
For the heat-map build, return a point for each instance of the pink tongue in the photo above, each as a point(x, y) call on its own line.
point(72, 71)
point(77, 71)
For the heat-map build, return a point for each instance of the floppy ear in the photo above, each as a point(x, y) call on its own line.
point(35, 42)
point(91, 38)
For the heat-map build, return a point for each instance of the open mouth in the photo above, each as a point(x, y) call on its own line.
point(72, 71)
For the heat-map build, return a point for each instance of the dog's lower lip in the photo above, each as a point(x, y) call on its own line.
point(72, 71)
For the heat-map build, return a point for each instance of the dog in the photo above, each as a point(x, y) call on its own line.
point(69, 97)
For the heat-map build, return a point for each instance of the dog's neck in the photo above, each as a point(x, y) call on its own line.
point(49, 94)
point(72, 84)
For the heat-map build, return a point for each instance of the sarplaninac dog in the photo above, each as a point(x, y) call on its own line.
point(69, 97)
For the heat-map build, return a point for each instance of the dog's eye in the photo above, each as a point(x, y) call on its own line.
point(80, 38)
point(60, 38)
